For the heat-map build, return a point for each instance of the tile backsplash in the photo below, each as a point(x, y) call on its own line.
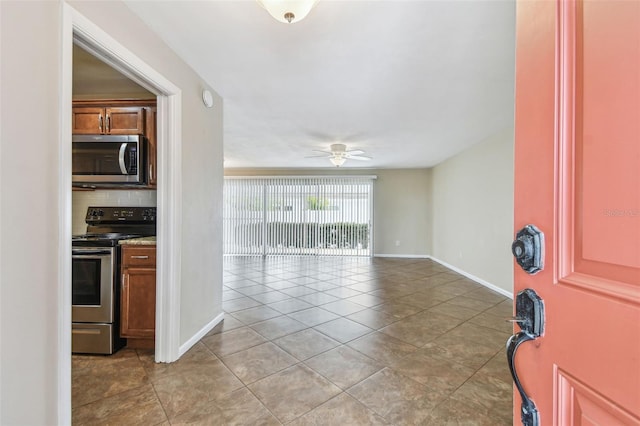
point(106, 198)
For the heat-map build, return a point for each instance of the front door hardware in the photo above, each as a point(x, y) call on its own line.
point(528, 249)
point(530, 319)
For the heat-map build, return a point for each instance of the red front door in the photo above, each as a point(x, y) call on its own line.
point(578, 180)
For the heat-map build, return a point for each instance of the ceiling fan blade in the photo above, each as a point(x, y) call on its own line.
point(322, 151)
point(354, 152)
point(358, 157)
point(318, 156)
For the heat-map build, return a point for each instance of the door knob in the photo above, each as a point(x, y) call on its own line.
point(528, 249)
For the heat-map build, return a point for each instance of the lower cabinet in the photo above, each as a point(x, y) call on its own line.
point(138, 296)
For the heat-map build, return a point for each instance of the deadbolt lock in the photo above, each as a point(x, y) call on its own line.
point(528, 249)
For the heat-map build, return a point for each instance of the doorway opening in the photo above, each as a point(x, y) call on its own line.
point(163, 198)
point(78, 30)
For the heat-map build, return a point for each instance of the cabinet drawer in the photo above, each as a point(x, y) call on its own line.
point(138, 256)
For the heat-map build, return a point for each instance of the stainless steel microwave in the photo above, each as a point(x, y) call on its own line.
point(108, 160)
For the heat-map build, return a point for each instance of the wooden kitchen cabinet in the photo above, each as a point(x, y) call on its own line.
point(121, 117)
point(138, 296)
point(87, 120)
point(152, 151)
point(108, 120)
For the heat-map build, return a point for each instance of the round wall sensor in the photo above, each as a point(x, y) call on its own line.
point(207, 98)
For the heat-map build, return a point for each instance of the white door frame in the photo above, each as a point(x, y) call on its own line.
point(169, 171)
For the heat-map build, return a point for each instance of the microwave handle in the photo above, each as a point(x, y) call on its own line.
point(123, 150)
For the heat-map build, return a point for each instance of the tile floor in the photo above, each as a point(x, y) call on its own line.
point(321, 341)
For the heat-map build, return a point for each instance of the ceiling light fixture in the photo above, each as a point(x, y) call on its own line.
point(288, 11)
point(337, 160)
point(339, 153)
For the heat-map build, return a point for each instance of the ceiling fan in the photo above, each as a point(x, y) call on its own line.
point(338, 154)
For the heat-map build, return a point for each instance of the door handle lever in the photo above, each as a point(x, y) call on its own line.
point(530, 319)
point(528, 410)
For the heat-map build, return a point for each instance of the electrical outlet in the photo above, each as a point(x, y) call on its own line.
point(397, 243)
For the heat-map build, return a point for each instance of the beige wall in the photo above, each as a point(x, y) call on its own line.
point(473, 210)
point(29, 176)
point(402, 212)
point(29, 127)
point(401, 205)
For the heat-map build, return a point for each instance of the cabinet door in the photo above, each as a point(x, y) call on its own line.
point(138, 309)
point(88, 120)
point(151, 114)
point(125, 120)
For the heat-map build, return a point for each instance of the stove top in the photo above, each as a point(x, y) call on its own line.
point(109, 239)
point(108, 225)
point(105, 236)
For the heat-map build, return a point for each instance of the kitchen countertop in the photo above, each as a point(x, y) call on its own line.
point(141, 241)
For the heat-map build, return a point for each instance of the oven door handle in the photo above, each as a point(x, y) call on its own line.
point(89, 252)
point(123, 166)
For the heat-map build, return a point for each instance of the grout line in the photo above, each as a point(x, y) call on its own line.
point(262, 403)
point(380, 274)
point(164, 410)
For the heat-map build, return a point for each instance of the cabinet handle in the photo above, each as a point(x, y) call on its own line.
point(108, 123)
point(100, 122)
point(139, 257)
point(150, 171)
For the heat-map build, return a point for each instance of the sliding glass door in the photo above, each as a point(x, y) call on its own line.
point(298, 216)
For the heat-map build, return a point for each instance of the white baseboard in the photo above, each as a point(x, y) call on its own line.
point(474, 278)
point(403, 256)
point(200, 334)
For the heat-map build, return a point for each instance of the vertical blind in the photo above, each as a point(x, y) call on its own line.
point(298, 216)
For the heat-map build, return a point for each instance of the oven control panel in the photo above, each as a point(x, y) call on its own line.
point(103, 215)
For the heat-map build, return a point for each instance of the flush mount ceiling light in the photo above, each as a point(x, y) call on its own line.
point(288, 11)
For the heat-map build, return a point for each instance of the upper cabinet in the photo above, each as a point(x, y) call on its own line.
point(120, 117)
point(151, 113)
point(108, 120)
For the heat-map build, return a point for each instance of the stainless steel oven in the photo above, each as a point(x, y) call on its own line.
point(93, 274)
point(95, 289)
point(94, 294)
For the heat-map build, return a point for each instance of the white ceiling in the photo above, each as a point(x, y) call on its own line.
point(409, 82)
point(93, 79)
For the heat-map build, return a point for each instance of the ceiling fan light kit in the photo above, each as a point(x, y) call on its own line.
point(339, 154)
point(337, 161)
point(288, 11)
